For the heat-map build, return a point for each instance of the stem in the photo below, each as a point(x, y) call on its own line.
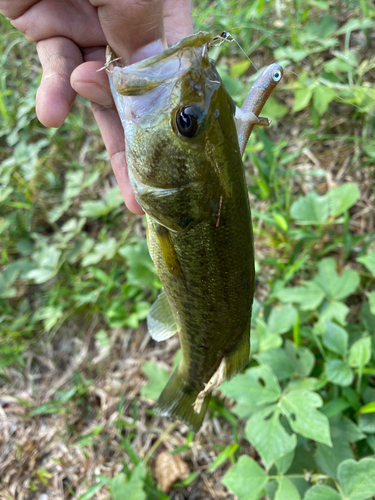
point(297, 476)
point(337, 484)
point(359, 379)
point(161, 438)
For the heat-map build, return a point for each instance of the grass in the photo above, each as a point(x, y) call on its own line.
point(78, 371)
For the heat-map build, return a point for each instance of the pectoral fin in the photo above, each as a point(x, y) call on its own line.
point(160, 320)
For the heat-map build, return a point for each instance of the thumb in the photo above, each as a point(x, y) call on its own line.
point(134, 29)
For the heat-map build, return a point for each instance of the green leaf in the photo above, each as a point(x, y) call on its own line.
point(270, 489)
point(283, 463)
point(246, 479)
point(338, 372)
point(321, 99)
point(309, 296)
point(233, 85)
point(351, 395)
point(357, 479)
point(308, 384)
point(262, 337)
point(90, 492)
point(278, 361)
point(355, 24)
point(368, 261)
point(265, 432)
point(366, 318)
point(118, 485)
point(371, 299)
point(342, 198)
point(348, 56)
point(273, 109)
point(269, 340)
point(131, 490)
point(334, 310)
point(286, 490)
point(87, 439)
point(360, 353)
point(322, 492)
point(335, 406)
point(371, 442)
point(256, 387)
point(301, 358)
point(282, 319)
point(300, 409)
point(369, 408)
point(337, 65)
point(301, 99)
point(158, 379)
point(326, 26)
point(368, 394)
point(47, 261)
point(345, 429)
point(141, 270)
point(48, 408)
point(335, 338)
point(239, 69)
point(310, 209)
point(100, 208)
point(366, 422)
point(335, 286)
point(105, 250)
point(228, 452)
point(289, 53)
point(329, 458)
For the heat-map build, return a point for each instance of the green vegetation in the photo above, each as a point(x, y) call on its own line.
point(78, 372)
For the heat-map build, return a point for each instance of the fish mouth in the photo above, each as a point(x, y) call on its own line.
point(144, 91)
point(144, 76)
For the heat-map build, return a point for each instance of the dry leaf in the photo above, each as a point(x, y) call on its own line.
point(169, 469)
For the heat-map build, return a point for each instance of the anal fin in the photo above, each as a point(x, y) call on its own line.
point(228, 368)
point(177, 401)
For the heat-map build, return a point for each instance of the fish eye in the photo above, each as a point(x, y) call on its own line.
point(187, 121)
point(276, 75)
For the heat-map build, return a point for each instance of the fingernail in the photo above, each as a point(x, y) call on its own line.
point(94, 93)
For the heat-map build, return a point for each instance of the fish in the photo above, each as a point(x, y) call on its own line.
point(185, 167)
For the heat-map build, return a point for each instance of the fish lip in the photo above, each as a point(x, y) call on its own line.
point(195, 40)
point(143, 76)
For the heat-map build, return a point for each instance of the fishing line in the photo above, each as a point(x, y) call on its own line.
point(229, 38)
point(224, 37)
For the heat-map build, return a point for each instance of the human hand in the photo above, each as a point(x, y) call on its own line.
point(71, 37)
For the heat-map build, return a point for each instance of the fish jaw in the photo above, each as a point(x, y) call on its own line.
point(145, 89)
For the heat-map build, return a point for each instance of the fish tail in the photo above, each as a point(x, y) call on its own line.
point(177, 401)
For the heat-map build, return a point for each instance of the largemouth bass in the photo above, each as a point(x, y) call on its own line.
point(185, 167)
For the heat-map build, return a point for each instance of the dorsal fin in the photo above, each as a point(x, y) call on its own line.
point(160, 320)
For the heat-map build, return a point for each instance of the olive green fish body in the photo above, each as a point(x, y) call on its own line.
point(186, 171)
